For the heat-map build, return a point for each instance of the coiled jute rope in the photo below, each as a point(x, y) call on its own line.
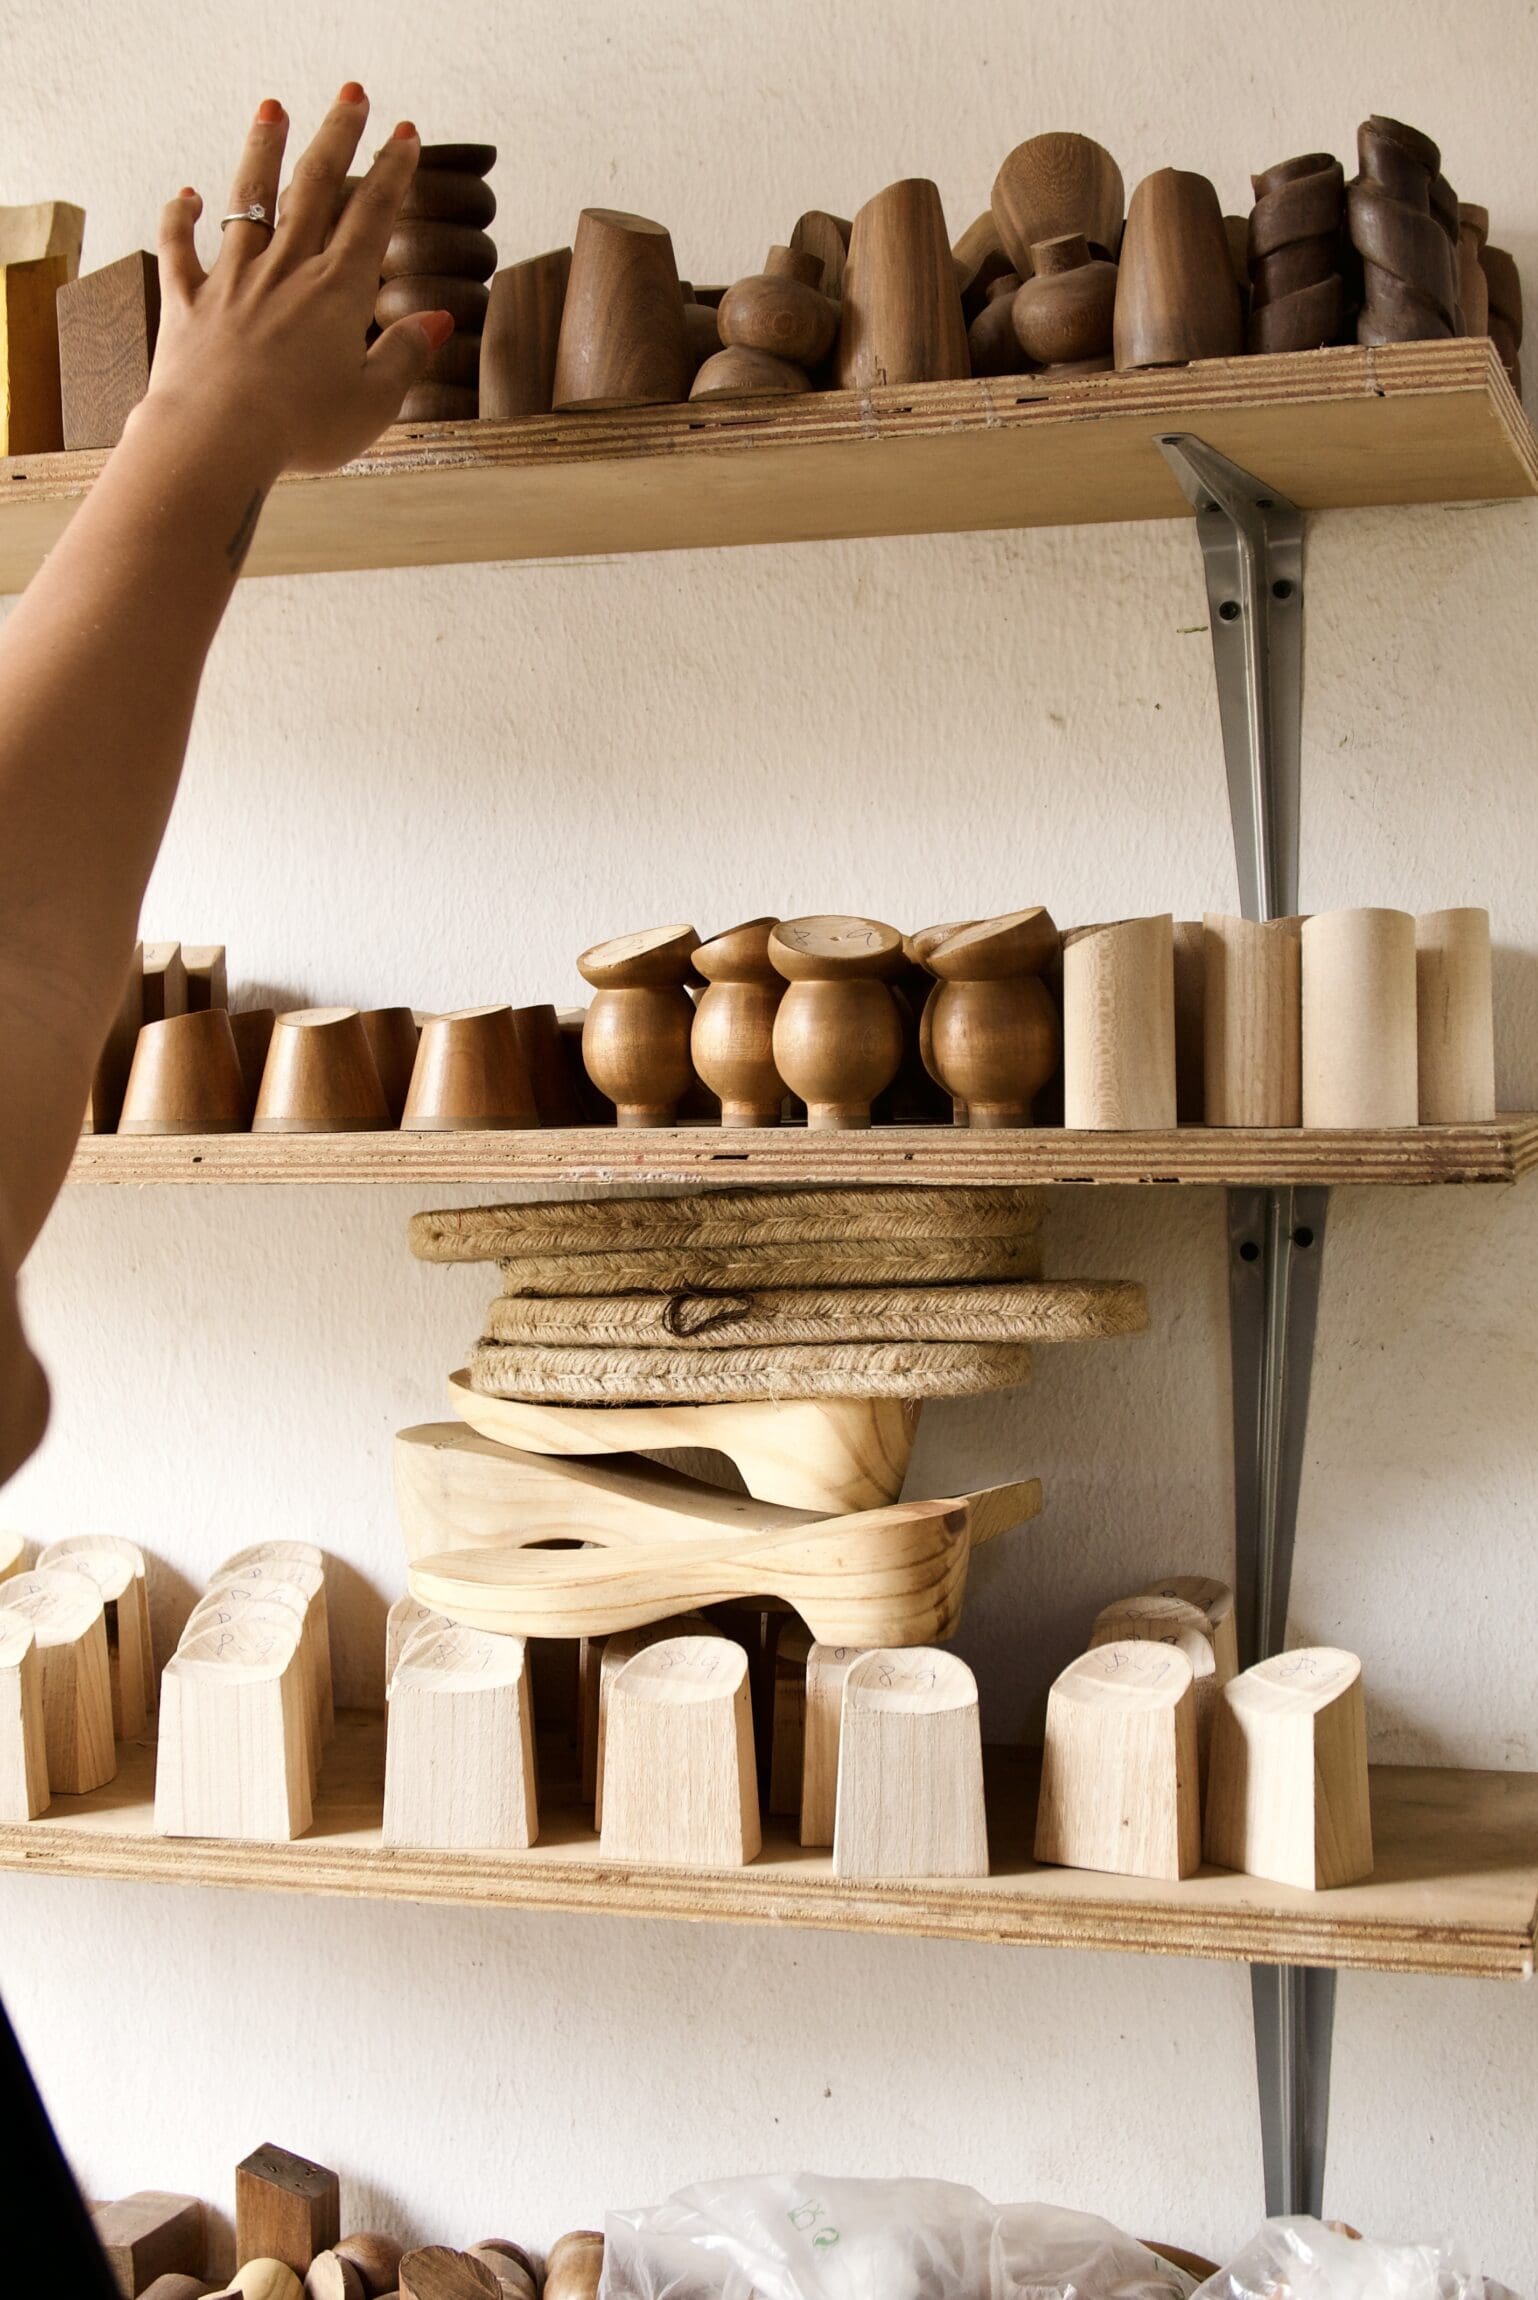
point(1054, 1311)
point(812, 1370)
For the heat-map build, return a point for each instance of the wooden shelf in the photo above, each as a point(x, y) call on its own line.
point(1502, 1151)
point(1403, 423)
point(1455, 1890)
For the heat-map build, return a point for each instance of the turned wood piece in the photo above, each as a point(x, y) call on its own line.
point(116, 1565)
point(31, 414)
point(1065, 314)
point(459, 1754)
point(448, 196)
point(150, 2234)
point(176, 2287)
point(237, 1746)
point(1473, 287)
point(1297, 289)
point(827, 238)
point(1409, 276)
point(900, 318)
point(468, 1073)
point(993, 1032)
point(518, 342)
point(437, 2273)
point(1119, 1025)
point(1503, 297)
point(781, 310)
point(702, 329)
point(428, 250)
point(64, 1610)
point(680, 1782)
point(440, 236)
point(1287, 1794)
point(392, 1036)
point(1119, 1775)
point(1253, 1021)
point(1359, 1019)
point(838, 1037)
point(733, 1035)
point(23, 1734)
point(574, 2266)
point(319, 1076)
point(1056, 184)
point(264, 2279)
point(1455, 1028)
point(1176, 296)
point(613, 1654)
point(511, 2266)
point(910, 1769)
point(1168, 1621)
point(186, 1078)
point(992, 344)
point(980, 260)
point(330, 2276)
point(1214, 1601)
point(286, 2208)
point(916, 949)
point(108, 322)
point(740, 373)
point(376, 2258)
point(466, 301)
point(1190, 958)
point(623, 342)
point(635, 1040)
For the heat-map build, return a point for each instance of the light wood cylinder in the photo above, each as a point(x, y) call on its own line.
point(1253, 1022)
point(1359, 1032)
point(518, 344)
point(901, 319)
point(1119, 1026)
point(1454, 1017)
point(623, 342)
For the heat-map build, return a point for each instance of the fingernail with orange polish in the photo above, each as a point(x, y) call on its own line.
point(437, 326)
point(405, 130)
point(186, 193)
point(269, 110)
point(350, 92)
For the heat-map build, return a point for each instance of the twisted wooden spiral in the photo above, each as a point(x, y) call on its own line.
point(1409, 277)
point(1297, 291)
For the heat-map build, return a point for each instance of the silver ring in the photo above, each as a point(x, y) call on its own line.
point(255, 214)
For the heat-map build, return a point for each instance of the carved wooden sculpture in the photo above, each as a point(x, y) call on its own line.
point(827, 238)
point(1119, 1776)
point(1056, 184)
point(1176, 297)
point(623, 342)
point(518, 344)
point(1297, 291)
point(442, 234)
point(993, 1031)
point(459, 1755)
point(900, 317)
point(1064, 315)
point(781, 310)
point(732, 1041)
point(837, 1035)
point(1409, 279)
point(635, 1040)
point(1473, 287)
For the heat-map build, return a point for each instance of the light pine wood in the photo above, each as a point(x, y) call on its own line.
point(1119, 1025)
point(43, 228)
point(1119, 1779)
point(1287, 1794)
point(274, 1610)
point(263, 2279)
point(1455, 1026)
point(287, 2208)
point(622, 340)
point(1359, 1025)
point(64, 1610)
point(288, 1571)
point(787, 1747)
point(23, 1734)
point(13, 1554)
point(830, 1454)
point(826, 1668)
point(116, 1565)
point(1168, 1621)
point(437, 2273)
point(332, 2277)
point(319, 1077)
point(635, 1040)
point(900, 316)
point(910, 1769)
point(459, 1763)
point(150, 2234)
point(614, 1653)
point(733, 1033)
point(838, 1037)
point(407, 1615)
point(1054, 184)
point(680, 1788)
point(469, 1072)
point(1214, 1601)
point(110, 1077)
point(574, 2266)
point(894, 1576)
point(1253, 1021)
point(235, 1753)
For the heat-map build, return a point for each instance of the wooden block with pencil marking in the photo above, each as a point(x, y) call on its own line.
point(910, 1769)
point(68, 1620)
point(116, 1565)
point(459, 1758)
point(680, 1787)
point(827, 1666)
point(286, 2208)
point(235, 1751)
point(208, 980)
point(1168, 1621)
point(1214, 1601)
point(1120, 1777)
point(1287, 1790)
point(149, 2234)
point(108, 322)
point(23, 1740)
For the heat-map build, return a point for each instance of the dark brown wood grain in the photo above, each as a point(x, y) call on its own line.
point(286, 2208)
point(901, 318)
point(522, 329)
point(1176, 296)
point(622, 341)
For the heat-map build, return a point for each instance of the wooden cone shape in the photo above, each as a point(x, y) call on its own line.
point(900, 318)
point(392, 1034)
point(910, 1769)
point(622, 339)
point(518, 343)
point(186, 1078)
point(469, 1073)
point(1287, 1787)
point(733, 1035)
point(1119, 1776)
point(459, 1761)
point(320, 1076)
point(680, 1786)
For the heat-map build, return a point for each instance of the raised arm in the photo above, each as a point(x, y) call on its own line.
point(262, 365)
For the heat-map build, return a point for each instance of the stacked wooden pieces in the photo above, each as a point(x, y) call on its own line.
point(439, 259)
point(39, 257)
point(776, 329)
point(246, 1700)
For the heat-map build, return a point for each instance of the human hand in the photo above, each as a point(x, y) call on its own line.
point(271, 343)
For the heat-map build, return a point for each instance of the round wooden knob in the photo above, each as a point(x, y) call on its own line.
point(451, 196)
point(991, 949)
point(733, 1039)
point(635, 1040)
point(437, 2273)
point(740, 373)
point(331, 2277)
point(779, 313)
point(1066, 313)
point(659, 956)
point(574, 2266)
point(829, 949)
point(377, 2259)
point(469, 159)
point(458, 249)
point(464, 300)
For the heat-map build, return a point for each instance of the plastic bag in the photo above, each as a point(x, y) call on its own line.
point(798, 2236)
point(1300, 2259)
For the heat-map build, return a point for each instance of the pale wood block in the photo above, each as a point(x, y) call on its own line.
point(116, 1565)
point(459, 1756)
point(1119, 1775)
point(69, 1623)
point(286, 2208)
point(1359, 1024)
point(1168, 1621)
point(1455, 1024)
point(110, 1078)
point(165, 981)
point(233, 1754)
point(331, 2276)
point(1214, 1600)
point(23, 1737)
point(304, 1562)
point(264, 2280)
point(150, 2234)
point(108, 323)
point(31, 409)
point(1252, 1021)
point(787, 1745)
point(680, 1787)
point(281, 1607)
point(404, 1618)
point(43, 228)
point(826, 1668)
point(615, 1652)
point(1119, 1025)
point(910, 1769)
point(589, 1690)
point(208, 982)
point(1287, 1790)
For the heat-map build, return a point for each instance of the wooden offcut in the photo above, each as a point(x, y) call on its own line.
point(108, 322)
point(286, 2208)
point(149, 2234)
point(31, 416)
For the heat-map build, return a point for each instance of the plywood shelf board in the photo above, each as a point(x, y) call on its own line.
point(1455, 1890)
point(1502, 1150)
point(1400, 423)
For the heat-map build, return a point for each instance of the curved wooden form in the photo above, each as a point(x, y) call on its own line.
point(623, 342)
point(459, 1754)
point(1287, 1793)
point(1065, 314)
point(635, 1040)
point(1296, 231)
point(1176, 296)
point(1409, 276)
point(1455, 1024)
point(518, 343)
point(838, 1037)
point(900, 318)
point(1119, 1024)
point(469, 1073)
point(1252, 1064)
point(732, 1041)
point(319, 1076)
point(680, 1786)
point(1056, 184)
point(1359, 1025)
point(910, 1769)
point(64, 1611)
point(1120, 1774)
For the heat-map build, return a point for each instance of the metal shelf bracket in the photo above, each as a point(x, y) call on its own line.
point(1252, 551)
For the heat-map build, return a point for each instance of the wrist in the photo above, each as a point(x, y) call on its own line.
point(236, 440)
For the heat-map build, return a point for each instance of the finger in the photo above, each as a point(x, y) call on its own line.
point(363, 231)
point(256, 185)
point(177, 244)
point(399, 359)
point(315, 193)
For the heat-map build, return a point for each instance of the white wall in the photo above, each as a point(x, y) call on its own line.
point(438, 787)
